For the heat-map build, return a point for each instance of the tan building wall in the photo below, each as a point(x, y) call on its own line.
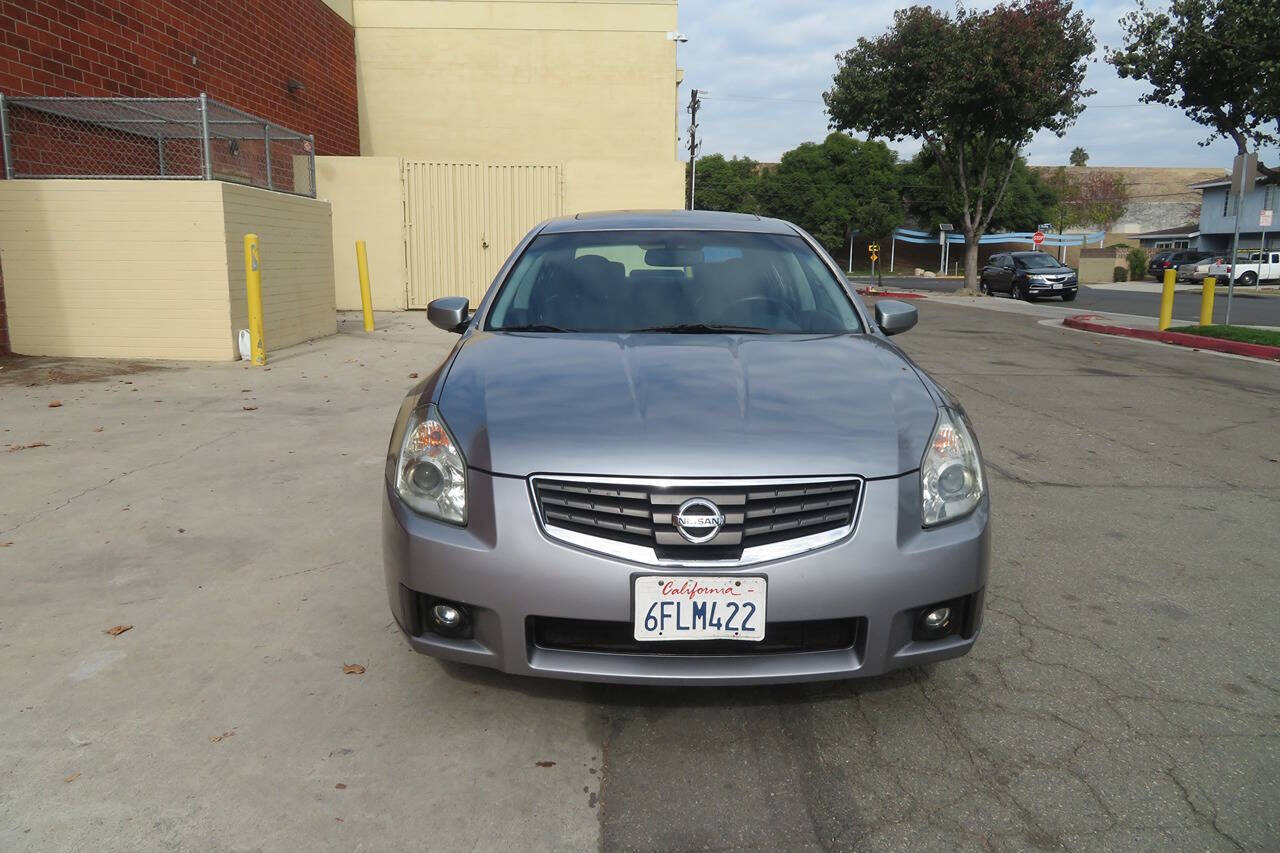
point(148, 269)
point(367, 200)
point(510, 81)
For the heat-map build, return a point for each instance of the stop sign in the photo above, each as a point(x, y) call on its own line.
point(1037, 237)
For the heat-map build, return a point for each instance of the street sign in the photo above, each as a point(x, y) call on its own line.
point(873, 248)
point(1037, 237)
point(1264, 219)
point(874, 256)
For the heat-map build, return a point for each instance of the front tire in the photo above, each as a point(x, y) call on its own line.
point(1069, 296)
point(983, 287)
point(1020, 291)
point(1249, 279)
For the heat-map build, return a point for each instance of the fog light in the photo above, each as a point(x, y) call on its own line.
point(449, 619)
point(446, 616)
point(936, 622)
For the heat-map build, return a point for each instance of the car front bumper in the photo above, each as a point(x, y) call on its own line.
point(509, 574)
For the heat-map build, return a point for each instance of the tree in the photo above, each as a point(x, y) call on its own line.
point(974, 87)
point(1099, 198)
point(1028, 201)
point(1216, 60)
point(730, 185)
point(831, 187)
point(1079, 157)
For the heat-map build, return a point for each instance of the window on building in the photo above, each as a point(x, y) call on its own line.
point(1226, 203)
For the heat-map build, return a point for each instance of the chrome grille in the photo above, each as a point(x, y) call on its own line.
point(640, 515)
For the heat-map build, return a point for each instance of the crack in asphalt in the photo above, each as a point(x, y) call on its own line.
point(42, 513)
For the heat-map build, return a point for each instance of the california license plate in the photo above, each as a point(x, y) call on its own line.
point(674, 607)
point(1057, 285)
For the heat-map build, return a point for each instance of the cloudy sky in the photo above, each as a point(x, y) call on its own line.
point(767, 62)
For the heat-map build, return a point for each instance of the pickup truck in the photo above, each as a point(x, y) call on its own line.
point(1251, 268)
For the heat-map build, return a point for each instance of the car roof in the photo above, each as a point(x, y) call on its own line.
point(1031, 255)
point(662, 220)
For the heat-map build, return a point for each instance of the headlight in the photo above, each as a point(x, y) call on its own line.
point(951, 483)
point(431, 475)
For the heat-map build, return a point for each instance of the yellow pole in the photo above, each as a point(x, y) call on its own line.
point(253, 292)
point(366, 298)
point(1206, 302)
point(1166, 299)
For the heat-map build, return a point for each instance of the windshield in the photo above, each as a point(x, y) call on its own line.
point(1040, 261)
point(672, 281)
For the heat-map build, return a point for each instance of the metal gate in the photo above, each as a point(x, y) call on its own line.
point(463, 219)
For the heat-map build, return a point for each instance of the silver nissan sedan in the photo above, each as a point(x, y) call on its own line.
point(677, 448)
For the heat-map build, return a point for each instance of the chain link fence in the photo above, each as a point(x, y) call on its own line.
point(152, 139)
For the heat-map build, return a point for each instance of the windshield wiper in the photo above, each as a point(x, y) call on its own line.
point(530, 327)
point(707, 329)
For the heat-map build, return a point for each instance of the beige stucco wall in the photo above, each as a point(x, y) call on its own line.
point(508, 81)
point(115, 268)
point(620, 185)
point(295, 244)
point(365, 195)
point(144, 269)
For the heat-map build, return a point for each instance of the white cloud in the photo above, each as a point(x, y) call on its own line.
point(767, 62)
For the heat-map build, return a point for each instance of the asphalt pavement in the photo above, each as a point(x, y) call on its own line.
point(1123, 695)
point(1248, 308)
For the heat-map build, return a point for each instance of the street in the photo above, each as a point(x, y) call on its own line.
point(1123, 694)
point(1248, 308)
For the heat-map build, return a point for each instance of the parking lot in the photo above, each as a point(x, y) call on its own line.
point(1124, 694)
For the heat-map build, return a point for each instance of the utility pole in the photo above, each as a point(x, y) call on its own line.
point(694, 103)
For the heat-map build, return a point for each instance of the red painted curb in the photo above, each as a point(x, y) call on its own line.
point(1089, 323)
point(896, 294)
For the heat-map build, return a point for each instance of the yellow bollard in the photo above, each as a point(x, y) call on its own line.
point(253, 293)
point(1206, 302)
point(366, 298)
point(1166, 299)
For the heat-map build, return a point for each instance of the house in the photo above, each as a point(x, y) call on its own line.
point(1181, 237)
point(1218, 215)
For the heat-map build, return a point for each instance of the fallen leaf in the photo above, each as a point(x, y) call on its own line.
point(97, 429)
point(117, 630)
point(544, 763)
point(73, 777)
point(352, 669)
point(413, 376)
point(341, 786)
point(223, 736)
point(338, 819)
point(15, 447)
point(7, 544)
point(250, 408)
point(55, 404)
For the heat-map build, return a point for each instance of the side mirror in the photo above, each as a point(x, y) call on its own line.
point(893, 316)
point(449, 313)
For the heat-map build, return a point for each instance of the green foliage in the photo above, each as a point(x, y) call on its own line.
point(1216, 60)
point(728, 184)
point(1248, 334)
point(1137, 260)
point(826, 188)
point(1028, 200)
point(1119, 274)
point(974, 86)
point(1079, 157)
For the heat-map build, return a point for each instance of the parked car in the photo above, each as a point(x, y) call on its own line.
point(1172, 260)
point(678, 448)
point(1249, 268)
point(1026, 275)
point(1201, 270)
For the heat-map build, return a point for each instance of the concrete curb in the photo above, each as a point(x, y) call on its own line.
point(895, 294)
point(1091, 323)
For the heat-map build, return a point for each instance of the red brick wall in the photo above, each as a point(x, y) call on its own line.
point(241, 52)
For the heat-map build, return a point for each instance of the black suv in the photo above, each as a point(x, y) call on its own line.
point(1171, 260)
point(1024, 275)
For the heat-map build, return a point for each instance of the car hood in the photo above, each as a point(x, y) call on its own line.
point(658, 405)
